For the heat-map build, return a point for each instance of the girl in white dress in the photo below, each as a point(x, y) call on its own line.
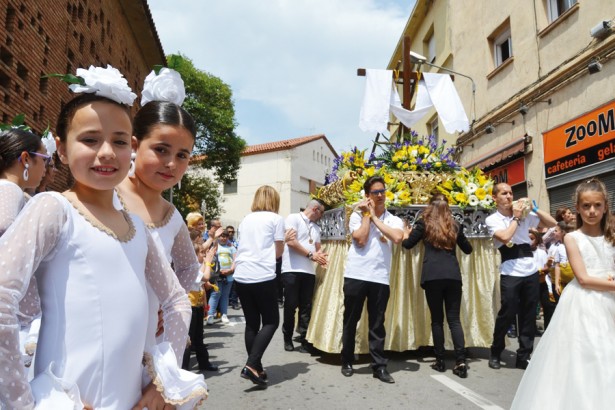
point(572, 367)
point(23, 159)
point(92, 263)
point(164, 136)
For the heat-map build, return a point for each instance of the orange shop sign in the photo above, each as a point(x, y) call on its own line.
point(585, 140)
point(512, 173)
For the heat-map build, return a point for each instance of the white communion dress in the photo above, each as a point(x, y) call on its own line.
point(573, 366)
point(93, 297)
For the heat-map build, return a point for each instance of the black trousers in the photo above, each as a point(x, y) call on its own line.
point(195, 332)
point(548, 307)
point(519, 296)
point(259, 302)
point(445, 294)
point(298, 293)
point(377, 295)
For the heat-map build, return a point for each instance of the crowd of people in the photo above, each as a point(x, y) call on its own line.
point(112, 256)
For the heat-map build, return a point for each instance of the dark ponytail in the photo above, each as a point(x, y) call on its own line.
point(13, 142)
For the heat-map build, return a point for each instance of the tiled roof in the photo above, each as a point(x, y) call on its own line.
point(276, 146)
point(284, 144)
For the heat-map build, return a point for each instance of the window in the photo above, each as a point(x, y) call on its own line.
point(230, 187)
point(502, 48)
point(429, 46)
point(433, 128)
point(558, 7)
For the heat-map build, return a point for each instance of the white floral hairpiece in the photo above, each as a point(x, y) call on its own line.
point(164, 85)
point(49, 142)
point(105, 82)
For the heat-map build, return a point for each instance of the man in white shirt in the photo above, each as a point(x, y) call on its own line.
point(298, 270)
point(366, 275)
point(519, 285)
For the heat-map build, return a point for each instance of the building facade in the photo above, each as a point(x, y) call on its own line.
point(294, 167)
point(542, 109)
point(45, 36)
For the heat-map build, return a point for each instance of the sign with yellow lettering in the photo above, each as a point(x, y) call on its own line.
point(585, 140)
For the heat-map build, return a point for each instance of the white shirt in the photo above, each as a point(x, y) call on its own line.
point(255, 260)
point(558, 251)
point(372, 262)
point(520, 267)
point(308, 235)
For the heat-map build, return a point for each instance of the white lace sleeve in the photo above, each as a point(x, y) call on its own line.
point(173, 299)
point(11, 204)
point(29, 239)
point(185, 263)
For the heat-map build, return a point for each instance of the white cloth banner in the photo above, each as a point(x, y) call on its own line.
point(436, 90)
point(374, 115)
point(447, 102)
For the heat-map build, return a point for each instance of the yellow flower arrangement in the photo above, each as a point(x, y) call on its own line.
point(469, 188)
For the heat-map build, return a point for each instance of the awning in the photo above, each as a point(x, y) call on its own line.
point(498, 155)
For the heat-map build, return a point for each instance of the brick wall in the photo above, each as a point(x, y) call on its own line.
point(51, 36)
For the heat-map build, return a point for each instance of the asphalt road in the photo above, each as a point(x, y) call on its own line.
point(313, 381)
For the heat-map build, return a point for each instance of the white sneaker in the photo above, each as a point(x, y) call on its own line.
point(225, 320)
point(210, 320)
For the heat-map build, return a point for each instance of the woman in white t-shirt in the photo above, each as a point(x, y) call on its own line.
point(261, 235)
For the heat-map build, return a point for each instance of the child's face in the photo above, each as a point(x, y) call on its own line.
point(162, 157)
point(97, 147)
point(557, 232)
point(591, 207)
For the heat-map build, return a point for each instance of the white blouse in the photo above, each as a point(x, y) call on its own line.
point(93, 295)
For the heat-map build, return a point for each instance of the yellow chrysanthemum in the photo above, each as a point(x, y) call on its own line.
point(388, 179)
point(356, 186)
point(413, 167)
point(460, 197)
point(370, 171)
point(480, 193)
point(390, 196)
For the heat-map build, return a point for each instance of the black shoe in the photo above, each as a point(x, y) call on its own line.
point(263, 375)
point(247, 374)
point(384, 376)
point(522, 364)
point(288, 346)
point(461, 370)
point(494, 362)
point(347, 369)
point(209, 368)
point(438, 365)
point(512, 332)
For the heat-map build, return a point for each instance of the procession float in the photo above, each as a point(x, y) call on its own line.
point(413, 170)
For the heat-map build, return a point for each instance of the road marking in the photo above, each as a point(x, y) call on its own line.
point(475, 398)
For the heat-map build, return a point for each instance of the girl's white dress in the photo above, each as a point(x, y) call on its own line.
point(573, 366)
point(93, 295)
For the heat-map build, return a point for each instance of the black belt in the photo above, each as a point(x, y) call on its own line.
point(516, 251)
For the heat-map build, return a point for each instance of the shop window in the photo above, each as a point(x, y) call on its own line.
point(230, 187)
point(556, 8)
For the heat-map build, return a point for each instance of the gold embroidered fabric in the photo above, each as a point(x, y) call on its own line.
point(407, 319)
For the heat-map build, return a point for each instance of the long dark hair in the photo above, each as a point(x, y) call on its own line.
point(161, 112)
point(440, 226)
point(607, 223)
point(13, 142)
point(68, 111)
